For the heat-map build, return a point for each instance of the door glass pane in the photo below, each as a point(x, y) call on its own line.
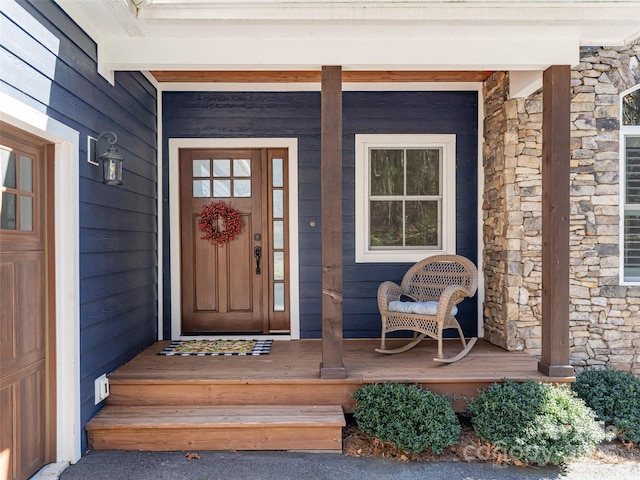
point(632, 154)
point(242, 167)
point(26, 213)
point(278, 265)
point(241, 188)
point(423, 172)
point(201, 188)
point(421, 229)
point(278, 174)
point(278, 297)
point(8, 168)
point(201, 168)
point(222, 168)
point(26, 174)
point(278, 234)
point(278, 204)
point(387, 172)
point(385, 220)
point(8, 216)
point(222, 188)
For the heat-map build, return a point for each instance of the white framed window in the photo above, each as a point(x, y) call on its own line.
point(405, 197)
point(630, 185)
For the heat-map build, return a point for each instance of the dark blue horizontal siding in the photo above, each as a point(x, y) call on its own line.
point(107, 263)
point(297, 114)
point(407, 113)
point(105, 309)
point(102, 240)
point(49, 63)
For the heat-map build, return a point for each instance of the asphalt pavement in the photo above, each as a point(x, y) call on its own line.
point(213, 465)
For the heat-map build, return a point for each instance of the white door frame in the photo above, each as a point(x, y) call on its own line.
point(67, 266)
point(175, 144)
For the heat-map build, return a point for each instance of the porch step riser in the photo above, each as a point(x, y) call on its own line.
point(248, 427)
point(176, 394)
point(211, 394)
point(225, 438)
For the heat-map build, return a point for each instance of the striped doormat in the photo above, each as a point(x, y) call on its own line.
point(217, 347)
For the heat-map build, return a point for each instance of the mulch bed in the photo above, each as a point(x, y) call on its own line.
point(470, 448)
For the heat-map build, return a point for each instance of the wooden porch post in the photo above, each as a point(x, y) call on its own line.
point(556, 95)
point(331, 178)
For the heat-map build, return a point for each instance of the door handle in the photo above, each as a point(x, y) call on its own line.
point(257, 253)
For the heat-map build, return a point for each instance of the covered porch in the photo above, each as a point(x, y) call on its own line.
point(296, 397)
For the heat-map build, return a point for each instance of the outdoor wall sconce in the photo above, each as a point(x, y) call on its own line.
point(111, 160)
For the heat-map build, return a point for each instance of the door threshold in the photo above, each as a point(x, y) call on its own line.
point(227, 336)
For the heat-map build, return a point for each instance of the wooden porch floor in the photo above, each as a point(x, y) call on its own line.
point(276, 401)
point(296, 364)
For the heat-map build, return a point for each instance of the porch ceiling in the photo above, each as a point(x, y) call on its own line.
point(296, 35)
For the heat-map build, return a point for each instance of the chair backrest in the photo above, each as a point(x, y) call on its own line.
point(427, 279)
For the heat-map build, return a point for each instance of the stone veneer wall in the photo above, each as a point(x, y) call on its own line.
point(604, 315)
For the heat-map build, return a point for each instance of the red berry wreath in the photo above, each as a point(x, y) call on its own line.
point(219, 223)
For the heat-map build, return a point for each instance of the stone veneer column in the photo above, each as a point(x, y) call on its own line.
point(502, 218)
point(512, 217)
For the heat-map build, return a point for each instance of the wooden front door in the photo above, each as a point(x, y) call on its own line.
point(24, 301)
point(240, 286)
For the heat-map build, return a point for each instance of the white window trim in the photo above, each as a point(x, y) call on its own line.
point(625, 131)
point(363, 143)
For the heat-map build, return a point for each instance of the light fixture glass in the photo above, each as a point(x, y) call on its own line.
point(111, 161)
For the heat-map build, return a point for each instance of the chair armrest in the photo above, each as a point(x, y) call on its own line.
point(451, 296)
point(388, 292)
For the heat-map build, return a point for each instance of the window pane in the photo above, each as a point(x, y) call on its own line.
point(385, 224)
point(201, 168)
point(222, 168)
point(278, 204)
point(26, 174)
point(632, 153)
point(222, 188)
point(278, 234)
point(278, 297)
point(631, 108)
point(242, 167)
point(8, 217)
point(632, 244)
point(278, 175)
point(8, 168)
point(241, 188)
point(26, 213)
point(422, 228)
point(423, 172)
point(387, 172)
point(278, 265)
point(202, 188)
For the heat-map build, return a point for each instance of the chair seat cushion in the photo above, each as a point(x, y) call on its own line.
point(419, 308)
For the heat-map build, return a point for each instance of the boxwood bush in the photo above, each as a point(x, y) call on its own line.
point(535, 422)
point(406, 416)
point(615, 397)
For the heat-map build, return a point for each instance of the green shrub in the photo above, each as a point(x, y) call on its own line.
point(535, 422)
point(406, 416)
point(615, 397)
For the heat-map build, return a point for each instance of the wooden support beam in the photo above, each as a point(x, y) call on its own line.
point(556, 94)
point(332, 365)
point(314, 76)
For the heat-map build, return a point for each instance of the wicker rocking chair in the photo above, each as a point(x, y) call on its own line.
point(433, 288)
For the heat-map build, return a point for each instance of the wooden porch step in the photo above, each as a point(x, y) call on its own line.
point(226, 427)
